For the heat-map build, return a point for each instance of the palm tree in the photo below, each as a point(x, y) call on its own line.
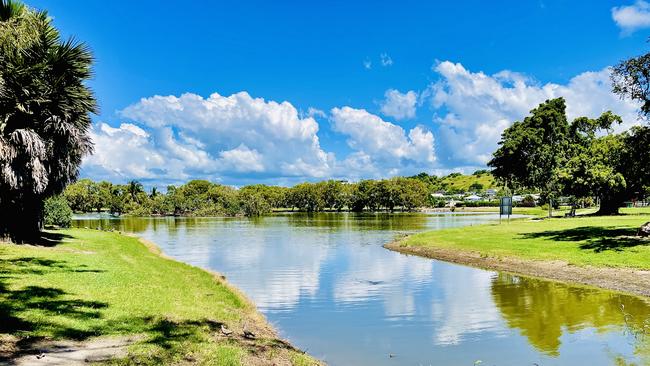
point(134, 188)
point(45, 110)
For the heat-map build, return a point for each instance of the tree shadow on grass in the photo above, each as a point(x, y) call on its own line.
point(173, 336)
point(596, 238)
point(25, 310)
point(50, 239)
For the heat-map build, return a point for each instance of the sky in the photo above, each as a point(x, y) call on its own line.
point(242, 92)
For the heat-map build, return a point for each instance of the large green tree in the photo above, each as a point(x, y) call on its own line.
point(532, 151)
point(45, 109)
point(581, 159)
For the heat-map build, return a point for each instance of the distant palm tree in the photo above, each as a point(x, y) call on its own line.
point(45, 110)
point(134, 188)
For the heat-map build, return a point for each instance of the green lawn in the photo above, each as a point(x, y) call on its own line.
point(606, 241)
point(85, 283)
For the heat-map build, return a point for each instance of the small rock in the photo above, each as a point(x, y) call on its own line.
point(225, 330)
point(249, 335)
point(644, 230)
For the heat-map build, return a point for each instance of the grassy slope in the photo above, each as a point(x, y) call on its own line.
point(463, 182)
point(97, 283)
point(588, 240)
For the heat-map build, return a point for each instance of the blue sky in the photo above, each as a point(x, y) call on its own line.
point(393, 87)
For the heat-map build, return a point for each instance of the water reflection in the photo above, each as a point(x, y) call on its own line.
point(326, 282)
point(545, 310)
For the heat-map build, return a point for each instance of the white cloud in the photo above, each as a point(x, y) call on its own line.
point(315, 112)
point(243, 159)
point(631, 18)
point(238, 139)
point(474, 108)
point(399, 106)
point(385, 59)
point(387, 143)
point(189, 136)
point(367, 64)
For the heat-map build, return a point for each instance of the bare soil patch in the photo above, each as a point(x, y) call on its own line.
point(74, 353)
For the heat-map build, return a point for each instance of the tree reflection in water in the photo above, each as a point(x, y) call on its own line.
point(543, 310)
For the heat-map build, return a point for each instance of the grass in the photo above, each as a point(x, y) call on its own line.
point(602, 241)
point(85, 283)
point(463, 182)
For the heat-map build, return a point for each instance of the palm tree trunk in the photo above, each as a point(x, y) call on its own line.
point(21, 222)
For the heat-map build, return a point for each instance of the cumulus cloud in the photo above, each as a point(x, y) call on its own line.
point(399, 106)
point(385, 142)
point(631, 18)
point(239, 139)
point(367, 64)
point(175, 138)
point(472, 108)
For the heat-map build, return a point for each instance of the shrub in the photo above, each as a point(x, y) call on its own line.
point(528, 201)
point(57, 212)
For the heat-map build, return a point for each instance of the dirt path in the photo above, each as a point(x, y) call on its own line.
point(74, 353)
point(618, 279)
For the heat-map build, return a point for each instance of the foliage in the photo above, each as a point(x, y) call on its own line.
point(631, 79)
point(45, 109)
point(57, 212)
point(581, 159)
point(203, 198)
point(531, 151)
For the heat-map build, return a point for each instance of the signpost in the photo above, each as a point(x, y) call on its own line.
point(505, 207)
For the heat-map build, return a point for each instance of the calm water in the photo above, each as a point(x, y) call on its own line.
point(330, 288)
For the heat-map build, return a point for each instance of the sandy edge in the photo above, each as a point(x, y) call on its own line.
point(627, 280)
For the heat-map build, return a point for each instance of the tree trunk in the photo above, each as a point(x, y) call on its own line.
point(22, 222)
point(609, 206)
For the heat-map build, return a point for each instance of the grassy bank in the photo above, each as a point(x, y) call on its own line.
point(601, 251)
point(80, 284)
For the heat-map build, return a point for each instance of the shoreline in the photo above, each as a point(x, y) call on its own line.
point(164, 310)
point(626, 280)
point(264, 327)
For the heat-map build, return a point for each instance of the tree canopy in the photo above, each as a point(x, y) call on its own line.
point(45, 109)
point(583, 158)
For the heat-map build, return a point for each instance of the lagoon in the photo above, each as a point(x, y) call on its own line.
point(328, 285)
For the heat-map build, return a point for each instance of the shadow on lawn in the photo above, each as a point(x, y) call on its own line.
point(27, 311)
point(50, 303)
point(596, 238)
point(50, 239)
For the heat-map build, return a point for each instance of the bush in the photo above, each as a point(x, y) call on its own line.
point(528, 201)
point(57, 212)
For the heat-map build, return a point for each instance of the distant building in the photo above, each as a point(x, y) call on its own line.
point(491, 192)
point(473, 198)
point(437, 195)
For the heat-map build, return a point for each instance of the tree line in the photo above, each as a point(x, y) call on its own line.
point(204, 198)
